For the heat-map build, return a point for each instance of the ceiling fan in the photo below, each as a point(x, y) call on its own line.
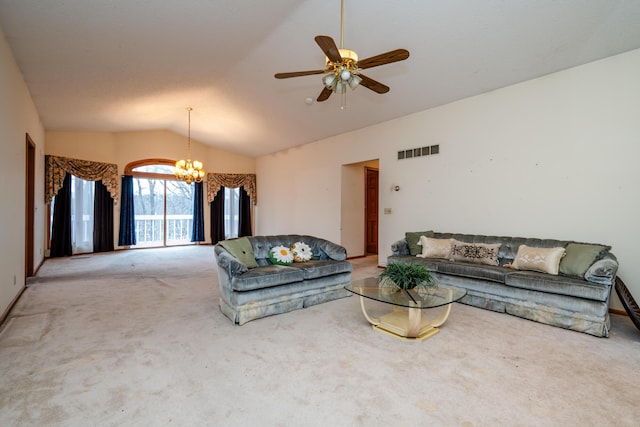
point(343, 68)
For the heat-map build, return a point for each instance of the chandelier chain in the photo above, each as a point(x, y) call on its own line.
point(189, 109)
point(189, 171)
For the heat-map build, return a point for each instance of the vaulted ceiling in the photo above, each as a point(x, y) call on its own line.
point(123, 65)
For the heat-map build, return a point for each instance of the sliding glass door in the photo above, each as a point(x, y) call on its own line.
point(163, 212)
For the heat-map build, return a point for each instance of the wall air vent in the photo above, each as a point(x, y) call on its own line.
point(418, 152)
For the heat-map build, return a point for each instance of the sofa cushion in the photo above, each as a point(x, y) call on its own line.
point(301, 252)
point(559, 285)
point(477, 271)
point(321, 268)
point(413, 238)
point(434, 248)
point(241, 249)
point(265, 277)
point(321, 248)
point(579, 257)
point(544, 260)
point(280, 255)
point(477, 253)
point(291, 291)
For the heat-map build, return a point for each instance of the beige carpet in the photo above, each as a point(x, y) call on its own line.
point(137, 338)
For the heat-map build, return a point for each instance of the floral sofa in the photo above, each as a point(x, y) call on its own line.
point(560, 283)
point(252, 286)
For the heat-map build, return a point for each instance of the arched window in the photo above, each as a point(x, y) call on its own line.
point(163, 205)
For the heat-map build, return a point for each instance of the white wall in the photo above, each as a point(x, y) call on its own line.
point(555, 157)
point(18, 117)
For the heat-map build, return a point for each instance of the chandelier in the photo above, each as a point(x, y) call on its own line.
point(189, 171)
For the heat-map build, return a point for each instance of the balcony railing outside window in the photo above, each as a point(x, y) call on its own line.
point(150, 229)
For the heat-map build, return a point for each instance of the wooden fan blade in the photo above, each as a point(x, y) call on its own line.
point(324, 95)
point(384, 58)
point(329, 48)
point(373, 85)
point(297, 74)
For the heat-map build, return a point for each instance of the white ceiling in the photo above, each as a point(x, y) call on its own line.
point(125, 65)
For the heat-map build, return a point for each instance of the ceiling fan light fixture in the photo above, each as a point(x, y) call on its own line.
point(329, 80)
point(345, 74)
point(354, 81)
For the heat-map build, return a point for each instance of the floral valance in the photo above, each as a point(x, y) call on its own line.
point(231, 180)
point(57, 167)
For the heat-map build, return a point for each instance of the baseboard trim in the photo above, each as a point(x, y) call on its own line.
point(35, 272)
point(617, 311)
point(10, 307)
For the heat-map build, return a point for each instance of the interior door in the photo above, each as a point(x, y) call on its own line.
point(371, 211)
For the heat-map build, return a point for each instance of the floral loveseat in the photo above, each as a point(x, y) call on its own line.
point(560, 283)
point(252, 286)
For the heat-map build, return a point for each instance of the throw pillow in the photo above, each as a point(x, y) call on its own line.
point(434, 248)
point(544, 260)
point(241, 249)
point(280, 255)
point(301, 252)
point(579, 257)
point(477, 253)
point(413, 240)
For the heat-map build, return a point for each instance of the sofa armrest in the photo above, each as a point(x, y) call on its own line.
point(332, 250)
point(229, 263)
point(400, 248)
point(603, 271)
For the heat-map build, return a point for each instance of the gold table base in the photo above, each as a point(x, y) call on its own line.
point(406, 323)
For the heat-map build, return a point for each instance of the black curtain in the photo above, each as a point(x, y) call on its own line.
point(102, 219)
point(197, 234)
point(127, 234)
point(217, 217)
point(61, 227)
point(244, 224)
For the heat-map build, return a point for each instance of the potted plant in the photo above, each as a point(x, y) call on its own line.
point(406, 276)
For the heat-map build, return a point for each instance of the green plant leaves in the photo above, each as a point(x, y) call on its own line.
point(406, 275)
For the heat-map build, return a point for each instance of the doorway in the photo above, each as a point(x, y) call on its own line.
point(359, 208)
point(30, 170)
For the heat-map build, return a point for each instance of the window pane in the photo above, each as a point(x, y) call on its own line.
point(231, 212)
point(148, 202)
point(81, 215)
point(155, 168)
point(149, 205)
point(179, 212)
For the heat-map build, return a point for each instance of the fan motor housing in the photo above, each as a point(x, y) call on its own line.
point(348, 57)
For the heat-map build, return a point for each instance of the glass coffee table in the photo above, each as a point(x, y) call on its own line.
point(406, 320)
